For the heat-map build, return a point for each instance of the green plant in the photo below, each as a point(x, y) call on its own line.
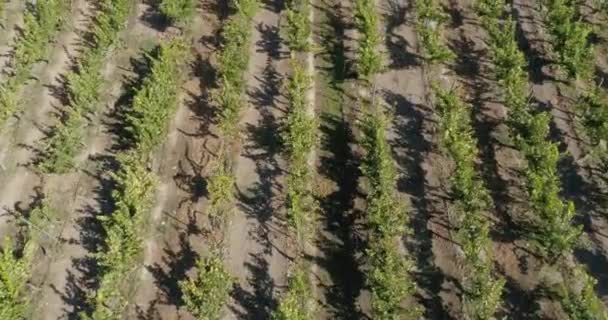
point(206, 294)
point(492, 9)
point(299, 137)
point(430, 19)
point(14, 273)
point(570, 38)
point(157, 100)
point(41, 22)
point(298, 301)
point(84, 86)
point(578, 297)
point(388, 276)
point(178, 11)
point(221, 187)
point(482, 290)
point(592, 111)
point(369, 59)
point(232, 63)
point(298, 31)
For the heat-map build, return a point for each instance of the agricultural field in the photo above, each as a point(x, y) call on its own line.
point(303, 159)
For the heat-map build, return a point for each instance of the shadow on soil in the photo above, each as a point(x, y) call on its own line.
point(259, 202)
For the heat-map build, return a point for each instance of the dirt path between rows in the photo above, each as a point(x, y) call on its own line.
point(258, 250)
point(10, 20)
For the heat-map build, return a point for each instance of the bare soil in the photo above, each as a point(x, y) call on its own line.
point(258, 247)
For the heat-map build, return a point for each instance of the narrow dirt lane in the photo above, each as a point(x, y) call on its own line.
point(423, 184)
point(10, 19)
point(257, 243)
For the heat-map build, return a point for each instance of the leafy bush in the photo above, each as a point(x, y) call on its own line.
point(388, 276)
point(299, 137)
point(298, 31)
point(157, 100)
point(570, 38)
point(232, 63)
point(84, 85)
point(430, 19)
point(369, 60)
point(298, 302)
point(135, 184)
point(578, 297)
point(482, 290)
point(14, 274)
point(206, 294)
point(178, 11)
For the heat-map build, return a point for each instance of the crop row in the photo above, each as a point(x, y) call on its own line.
point(482, 289)
point(552, 227)
point(118, 258)
point(299, 136)
point(42, 21)
point(207, 293)
point(84, 87)
point(388, 271)
point(17, 258)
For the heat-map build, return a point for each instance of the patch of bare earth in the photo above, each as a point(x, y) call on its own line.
point(258, 247)
point(10, 20)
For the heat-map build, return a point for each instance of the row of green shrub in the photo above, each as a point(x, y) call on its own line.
point(85, 85)
point(41, 23)
point(552, 226)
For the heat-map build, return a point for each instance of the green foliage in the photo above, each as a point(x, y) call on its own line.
point(592, 110)
point(369, 59)
point(157, 100)
point(14, 273)
point(298, 301)
point(206, 294)
point(388, 276)
point(389, 280)
point(16, 261)
point(178, 11)
point(492, 9)
point(63, 145)
point(299, 136)
point(298, 31)
point(40, 24)
point(570, 38)
point(135, 184)
point(84, 85)
point(430, 18)
point(386, 214)
point(578, 297)
point(551, 217)
point(123, 247)
point(221, 186)
point(232, 63)
point(482, 294)
point(483, 291)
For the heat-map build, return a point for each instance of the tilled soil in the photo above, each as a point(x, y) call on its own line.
point(259, 247)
